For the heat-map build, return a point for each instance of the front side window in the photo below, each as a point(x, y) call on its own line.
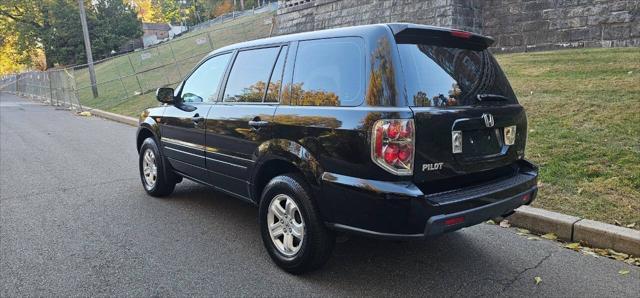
point(329, 72)
point(249, 75)
point(202, 85)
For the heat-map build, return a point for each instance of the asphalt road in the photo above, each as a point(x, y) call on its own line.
point(75, 221)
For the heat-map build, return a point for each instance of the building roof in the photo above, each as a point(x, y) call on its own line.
point(156, 26)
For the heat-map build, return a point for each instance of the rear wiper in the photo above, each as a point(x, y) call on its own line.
point(491, 97)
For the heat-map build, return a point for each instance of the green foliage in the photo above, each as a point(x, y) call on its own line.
point(54, 26)
point(166, 11)
point(115, 23)
point(62, 34)
point(16, 19)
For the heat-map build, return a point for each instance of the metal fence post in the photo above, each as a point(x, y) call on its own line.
point(124, 88)
point(135, 73)
point(50, 89)
point(175, 61)
point(74, 86)
point(210, 40)
point(166, 76)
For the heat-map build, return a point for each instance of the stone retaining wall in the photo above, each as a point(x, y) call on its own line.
point(516, 25)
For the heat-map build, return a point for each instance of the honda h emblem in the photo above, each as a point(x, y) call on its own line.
point(488, 120)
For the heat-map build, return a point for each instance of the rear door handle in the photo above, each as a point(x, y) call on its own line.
point(258, 123)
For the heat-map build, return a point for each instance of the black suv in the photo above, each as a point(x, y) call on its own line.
point(396, 131)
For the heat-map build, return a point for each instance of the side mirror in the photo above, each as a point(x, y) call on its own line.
point(165, 95)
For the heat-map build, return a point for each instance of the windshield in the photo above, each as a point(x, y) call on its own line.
point(445, 76)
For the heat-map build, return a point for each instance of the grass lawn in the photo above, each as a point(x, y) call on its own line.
point(584, 129)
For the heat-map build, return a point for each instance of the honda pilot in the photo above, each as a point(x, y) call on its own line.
point(394, 131)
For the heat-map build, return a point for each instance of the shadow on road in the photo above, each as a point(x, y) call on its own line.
point(363, 262)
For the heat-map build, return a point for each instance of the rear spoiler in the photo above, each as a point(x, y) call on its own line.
point(432, 35)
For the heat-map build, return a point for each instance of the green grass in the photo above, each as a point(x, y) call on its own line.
point(121, 80)
point(584, 129)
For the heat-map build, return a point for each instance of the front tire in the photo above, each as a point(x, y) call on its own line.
point(292, 232)
point(157, 180)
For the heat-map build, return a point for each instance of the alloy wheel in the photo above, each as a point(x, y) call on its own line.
point(285, 224)
point(149, 169)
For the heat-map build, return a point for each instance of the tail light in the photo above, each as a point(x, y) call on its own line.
point(392, 145)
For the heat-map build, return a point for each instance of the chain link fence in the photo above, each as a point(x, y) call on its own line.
point(125, 82)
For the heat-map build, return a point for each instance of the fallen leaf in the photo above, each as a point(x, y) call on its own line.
point(580, 190)
point(602, 252)
point(85, 114)
point(590, 253)
point(505, 224)
point(617, 254)
point(630, 261)
point(491, 222)
point(623, 272)
point(617, 223)
point(538, 279)
point(533, 238)
point(550, 236)
point(575, 246)
point(524, 231)
point(631, 225)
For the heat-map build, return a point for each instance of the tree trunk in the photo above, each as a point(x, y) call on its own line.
point(241, 4)
point(48, 59)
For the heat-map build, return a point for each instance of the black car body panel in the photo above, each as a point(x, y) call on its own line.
point(233, 142)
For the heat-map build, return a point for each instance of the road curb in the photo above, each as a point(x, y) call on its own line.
point(544, 221)
point(113, 116)
point(599, 234)
point(575, 229)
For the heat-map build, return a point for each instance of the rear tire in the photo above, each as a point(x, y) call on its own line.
point(157, 179)
point(303, 243)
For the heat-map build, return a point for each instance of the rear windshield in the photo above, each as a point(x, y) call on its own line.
point(444, 76)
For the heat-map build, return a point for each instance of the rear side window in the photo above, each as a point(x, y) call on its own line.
point(249, 75)
point(441, 76)
point(202, 84)
point(329, 72)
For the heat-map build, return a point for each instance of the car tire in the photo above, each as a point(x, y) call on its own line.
point(291, 193)
point(157, 179)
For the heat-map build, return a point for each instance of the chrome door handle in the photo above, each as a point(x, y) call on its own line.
point(197, 119)
point(258, 123)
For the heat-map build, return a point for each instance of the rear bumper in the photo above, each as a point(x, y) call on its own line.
point(399, 210)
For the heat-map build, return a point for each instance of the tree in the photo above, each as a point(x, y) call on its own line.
point(145, 10)
point(115, 23)
point(25, 21)
point(166, 11)
point(54, 27)
point(222, 8)
point(13, 60)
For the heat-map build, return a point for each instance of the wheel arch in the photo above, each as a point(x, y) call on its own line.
point(277, 157)
point(148, 128)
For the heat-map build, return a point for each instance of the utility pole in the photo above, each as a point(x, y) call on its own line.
point(87, 47)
